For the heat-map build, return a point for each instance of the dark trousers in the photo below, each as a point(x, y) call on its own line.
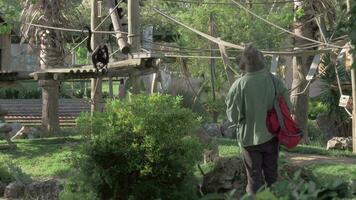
point(261, 164)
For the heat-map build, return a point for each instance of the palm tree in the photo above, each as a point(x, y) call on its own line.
point(305, 24)
point(51, 46)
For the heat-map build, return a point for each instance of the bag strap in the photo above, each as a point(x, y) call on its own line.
point(276, 104)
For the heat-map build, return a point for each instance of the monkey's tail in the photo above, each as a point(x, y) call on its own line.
point(89, 39)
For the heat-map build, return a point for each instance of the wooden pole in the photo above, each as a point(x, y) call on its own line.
point(134, 37)
point(121, 38)
point(213, 45)
point(212, 54)
point(96, 85)
point(111, 91)
point(353, 82)
point(134, 25)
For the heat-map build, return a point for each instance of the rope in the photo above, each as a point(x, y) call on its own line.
point(231, 45)
point(72, 30)
point(209, 37)
point(283, 29)
point(339, 82)
point(224, 3)
point(102, 21)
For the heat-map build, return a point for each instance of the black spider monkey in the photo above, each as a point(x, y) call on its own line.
point(100, 56)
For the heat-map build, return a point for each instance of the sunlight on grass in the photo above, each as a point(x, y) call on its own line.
point(309, 149)
point(331, 171)
point(42, 158)
point(228, 147)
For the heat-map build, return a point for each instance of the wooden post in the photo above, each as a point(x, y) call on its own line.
point(213, 46)
point(111, 91)
point(353, 82)
point(212, 54)
point(50, 95)
point(121, 41)
point(134, 37)
point(96, 85)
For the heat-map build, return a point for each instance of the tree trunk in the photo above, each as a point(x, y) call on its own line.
point(51, 56)
point(301, 66)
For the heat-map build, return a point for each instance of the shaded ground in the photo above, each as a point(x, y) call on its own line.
point(310, 159)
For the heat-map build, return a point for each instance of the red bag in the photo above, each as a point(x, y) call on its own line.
point(280, 123)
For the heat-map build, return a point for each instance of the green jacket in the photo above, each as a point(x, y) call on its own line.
point(248, 100)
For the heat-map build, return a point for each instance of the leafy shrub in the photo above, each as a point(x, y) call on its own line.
point(140, 148)
point(317, 137)
point(299, 189)
point(5, 176)
point(10, 172)
point(20, 93)
point(315, 108)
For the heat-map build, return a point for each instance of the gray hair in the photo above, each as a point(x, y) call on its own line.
point(252, 59)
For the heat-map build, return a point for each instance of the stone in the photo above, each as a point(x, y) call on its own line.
point(228, 174)
point(16, 127)
point(213, 129)
point(211, 153)
point(43, 190)
point(27, 132)
point(2, 188)
point(340, 143)
point(14, 190)
point(5, 128)
point(228, 130)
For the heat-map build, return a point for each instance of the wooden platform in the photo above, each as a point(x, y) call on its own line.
point(125, 68)
point(29, 111)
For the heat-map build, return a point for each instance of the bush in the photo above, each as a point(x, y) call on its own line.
point(299, 189)
point(140, 148)
point(316, 107)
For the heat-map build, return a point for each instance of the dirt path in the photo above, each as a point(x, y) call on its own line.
point(309, 159)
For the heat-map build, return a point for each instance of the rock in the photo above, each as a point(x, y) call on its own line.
point(228, 130)
point(2, 188)
point(210, 154)
point(16, 127)
point(14, 190)
point(43, 190)
point(341, 143)
point(34, 133)
point(26, 132)
point(5, 128)
point(228, 174)
point(213, 129)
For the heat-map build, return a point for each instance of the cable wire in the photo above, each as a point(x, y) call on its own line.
point(283, 29)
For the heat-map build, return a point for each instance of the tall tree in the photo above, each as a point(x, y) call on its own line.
point(305, 24)
point(51, 47)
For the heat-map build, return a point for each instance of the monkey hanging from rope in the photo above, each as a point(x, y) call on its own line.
point(100, 56)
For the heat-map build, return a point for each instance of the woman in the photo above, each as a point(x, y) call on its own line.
point(248, 100)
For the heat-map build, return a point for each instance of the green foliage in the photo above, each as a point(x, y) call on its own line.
point(17, 173)
point(316, 107)
point(140, 148)
point(13, 93)
point(41, 158)
point(10, 172)
point(217, 105)
point(299, 189)
point(300, 12)
point(317, 138)
point(5, 175)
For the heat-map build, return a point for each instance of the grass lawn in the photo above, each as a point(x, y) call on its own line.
point(51, 157)
point(42, 158)
point(324, 171)
point(329, 172)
